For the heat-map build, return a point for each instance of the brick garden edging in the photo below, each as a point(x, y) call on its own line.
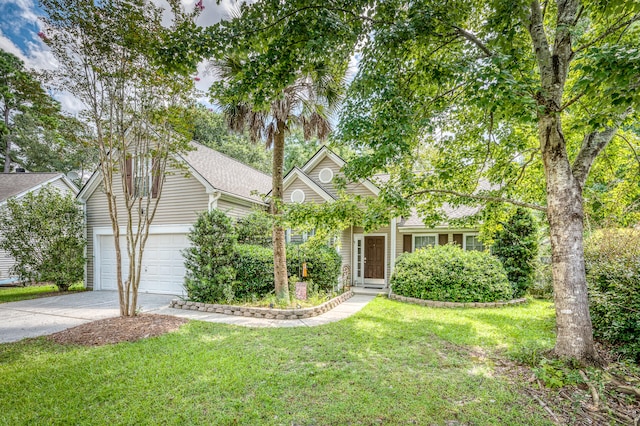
point(267, 313)
point(435, 304)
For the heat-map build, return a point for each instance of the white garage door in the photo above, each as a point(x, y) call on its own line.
point(162, 263)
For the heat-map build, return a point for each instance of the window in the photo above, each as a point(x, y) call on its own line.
point(473, 243)
point(297, 196)
point(420, 241)
point(325, 175)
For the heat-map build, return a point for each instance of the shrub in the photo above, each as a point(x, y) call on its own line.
point(613, 276)
point(209, 260)
point(255, 229)
point(516, 245)
point(323, 264)
point(450, 274)
point(254, 266)
point(44, 233)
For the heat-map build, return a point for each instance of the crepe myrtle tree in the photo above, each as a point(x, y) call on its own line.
point(107, 59)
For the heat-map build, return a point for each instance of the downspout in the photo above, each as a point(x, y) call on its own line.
point(213, 200)
point(393, 249)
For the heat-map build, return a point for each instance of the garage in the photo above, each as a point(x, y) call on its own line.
point(162, 263)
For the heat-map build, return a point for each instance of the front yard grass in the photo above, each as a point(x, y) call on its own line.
point(392, 363)
point(15, 294)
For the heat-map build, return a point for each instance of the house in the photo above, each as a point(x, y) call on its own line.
point(19, 184)
point(371, 256)
point(207, 181)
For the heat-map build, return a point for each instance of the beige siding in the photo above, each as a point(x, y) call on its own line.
point(6, 262)
point(346, 250)
point(310, 195)
point(355, 188)
point(233, 209)
point(59, 184)
point(182, 199)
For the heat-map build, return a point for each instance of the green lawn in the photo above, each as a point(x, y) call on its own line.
point(392, 363)
point(13, 294)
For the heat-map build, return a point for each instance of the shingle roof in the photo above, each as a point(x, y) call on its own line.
point(12, 184)
point(227, 174)
point(451, 213)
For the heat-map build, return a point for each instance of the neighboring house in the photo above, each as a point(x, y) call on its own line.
point(209, 180)
point(19, 184)
point(371, 256)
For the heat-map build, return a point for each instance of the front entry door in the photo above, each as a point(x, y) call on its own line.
point(374, 257)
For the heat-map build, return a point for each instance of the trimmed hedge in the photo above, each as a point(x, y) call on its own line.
point(323, 264)
point(612, 259)
point(254, 270)
point(254, 266)
point(450, 274)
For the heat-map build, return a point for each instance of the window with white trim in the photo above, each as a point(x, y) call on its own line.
point(472, 242)
point(421, 241)
point(297, 196)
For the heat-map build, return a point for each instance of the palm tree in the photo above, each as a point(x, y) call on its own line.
point(307, 103)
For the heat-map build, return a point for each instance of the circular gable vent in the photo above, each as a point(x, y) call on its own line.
point(297, 196)
point(325, 175)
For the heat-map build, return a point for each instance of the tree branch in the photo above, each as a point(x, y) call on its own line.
point(609, 31)
point(540, 43)
point(472, 38)
point(480, 197)
point(592, 144)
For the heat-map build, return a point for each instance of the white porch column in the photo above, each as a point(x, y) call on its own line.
point(393, 246)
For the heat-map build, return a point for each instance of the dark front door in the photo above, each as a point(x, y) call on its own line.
point(374, 257)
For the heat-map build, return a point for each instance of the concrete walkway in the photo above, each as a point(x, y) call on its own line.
point(47, 315)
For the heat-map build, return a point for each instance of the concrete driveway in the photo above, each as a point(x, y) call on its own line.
point(46, 315)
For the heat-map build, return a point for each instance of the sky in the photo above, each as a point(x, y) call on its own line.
point(19, 27)
point(20, 24)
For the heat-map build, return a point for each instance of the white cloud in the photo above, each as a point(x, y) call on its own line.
point(9, 46)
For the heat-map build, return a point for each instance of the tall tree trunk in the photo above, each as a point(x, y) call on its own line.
point(565, 214)
point(279, 247)
point(7, 148)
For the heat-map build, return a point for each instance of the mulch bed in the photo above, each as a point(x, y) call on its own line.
point(119, 329)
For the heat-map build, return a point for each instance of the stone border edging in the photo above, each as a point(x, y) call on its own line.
point(266, 313)
point(436, 304)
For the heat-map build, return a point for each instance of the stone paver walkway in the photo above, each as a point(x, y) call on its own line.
point(47, 315)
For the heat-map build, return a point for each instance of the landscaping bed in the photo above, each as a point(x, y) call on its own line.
point(118, 329)
point(266, 313)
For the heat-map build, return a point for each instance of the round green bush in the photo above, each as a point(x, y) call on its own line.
point(612, 259)
point(449, 274)
point(208, 261)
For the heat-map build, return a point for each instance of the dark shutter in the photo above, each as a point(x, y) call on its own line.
point(457, 238)
point(406, 243)
point(155, 178)
point(443, 239)
point(129, 172)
